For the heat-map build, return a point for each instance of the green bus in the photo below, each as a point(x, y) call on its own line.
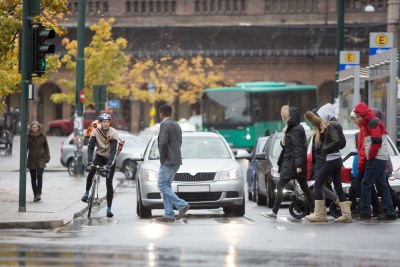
point(252, 109)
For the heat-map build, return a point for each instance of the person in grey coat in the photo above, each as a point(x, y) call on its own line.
point(38, 156)
point(169, 146)
point(292, 161)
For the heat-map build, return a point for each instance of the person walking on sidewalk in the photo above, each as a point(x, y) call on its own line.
point(333, 141)
point(292, 161)
point(105, 139)
point(376, 154)
point(38, 156)
point(169, 146)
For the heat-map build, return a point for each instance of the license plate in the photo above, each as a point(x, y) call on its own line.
point(193, 188)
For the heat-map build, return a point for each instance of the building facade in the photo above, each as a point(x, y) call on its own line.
point(256, 40)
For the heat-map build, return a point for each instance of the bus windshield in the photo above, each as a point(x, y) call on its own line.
point(226, 109)
point(252, 109)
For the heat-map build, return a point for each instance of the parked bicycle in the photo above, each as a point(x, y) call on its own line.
point(93, 198)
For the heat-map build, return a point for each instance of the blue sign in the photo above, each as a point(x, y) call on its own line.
point(113, 104)
point(377, 50)
point(347, 66)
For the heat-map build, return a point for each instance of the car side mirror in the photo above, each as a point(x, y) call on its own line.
point(243, 154)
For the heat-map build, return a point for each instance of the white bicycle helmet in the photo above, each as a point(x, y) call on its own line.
point(104, 116)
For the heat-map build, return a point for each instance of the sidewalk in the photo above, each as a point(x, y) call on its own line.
point(60, 198)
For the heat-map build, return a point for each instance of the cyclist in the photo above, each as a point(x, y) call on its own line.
point(106, 140)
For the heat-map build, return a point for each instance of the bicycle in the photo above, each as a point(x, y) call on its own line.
point(94, 189)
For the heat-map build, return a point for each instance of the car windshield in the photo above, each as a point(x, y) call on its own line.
point(196, 147)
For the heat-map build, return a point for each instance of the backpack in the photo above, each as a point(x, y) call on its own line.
point(91, 127)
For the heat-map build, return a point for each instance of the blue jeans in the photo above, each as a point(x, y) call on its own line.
point(165, 178)
point(375, 175)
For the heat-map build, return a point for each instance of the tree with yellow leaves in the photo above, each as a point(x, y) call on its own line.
point(11, 21)
point(105, 60)
point(179, 80)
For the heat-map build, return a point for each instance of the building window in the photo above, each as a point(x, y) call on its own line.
point(290, 6)
point(359, 5)
point(73, 7)
point(150, 7)
point(211, 7)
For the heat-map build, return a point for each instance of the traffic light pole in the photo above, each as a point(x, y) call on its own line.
point(80, 84)
point(25, 81)
point(339, 43)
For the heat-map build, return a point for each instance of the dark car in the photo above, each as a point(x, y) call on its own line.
point(251, 170)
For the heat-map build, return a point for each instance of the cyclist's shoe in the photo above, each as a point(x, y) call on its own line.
point(38, 197)
point(109, 214)
point(84, 198)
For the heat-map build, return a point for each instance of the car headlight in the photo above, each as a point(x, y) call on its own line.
point(231, 175)
point(274, 172)
point(149, 175)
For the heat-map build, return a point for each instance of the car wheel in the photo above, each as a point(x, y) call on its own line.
point(239, 210)
point(142, 211)
point(130, 168)
point(260, 199)
point(56, 132)
point(269, 198)
point(70, 166)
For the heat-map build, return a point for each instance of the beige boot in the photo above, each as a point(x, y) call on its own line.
point(346, 213)
point(319, 214)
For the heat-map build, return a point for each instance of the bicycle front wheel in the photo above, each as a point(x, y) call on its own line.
point(92, 196)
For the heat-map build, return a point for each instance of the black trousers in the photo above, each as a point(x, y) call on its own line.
point(101, 161)
point(36, 180)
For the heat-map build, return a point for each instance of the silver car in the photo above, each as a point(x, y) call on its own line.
point(133, 148)
point(209, 177)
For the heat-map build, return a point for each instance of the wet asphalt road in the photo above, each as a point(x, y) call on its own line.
point(203, 238)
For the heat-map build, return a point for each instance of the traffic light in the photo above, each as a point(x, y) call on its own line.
point(41, 48)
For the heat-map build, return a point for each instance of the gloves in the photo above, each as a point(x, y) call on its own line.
point(107, 167)
point(89, 163)
point(47, 160)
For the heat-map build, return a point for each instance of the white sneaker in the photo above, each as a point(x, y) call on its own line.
point(272, 215)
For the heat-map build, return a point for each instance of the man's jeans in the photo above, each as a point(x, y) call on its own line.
point(165, 178)
point(375, 175)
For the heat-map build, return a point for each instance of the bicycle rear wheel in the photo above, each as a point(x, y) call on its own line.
point(92, 196)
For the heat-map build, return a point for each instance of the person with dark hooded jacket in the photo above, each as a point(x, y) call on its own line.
point(38, 156)
point(292, 162)
point(331, 168)
point(377, 156)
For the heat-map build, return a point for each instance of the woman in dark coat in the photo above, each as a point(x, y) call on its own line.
point(293, 159)
point(38, 156)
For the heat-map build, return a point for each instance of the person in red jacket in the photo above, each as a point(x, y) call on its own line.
point(376, 155)
point(376, 205)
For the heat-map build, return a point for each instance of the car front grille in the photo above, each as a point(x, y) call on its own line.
point(200, 196)
point(199, 177)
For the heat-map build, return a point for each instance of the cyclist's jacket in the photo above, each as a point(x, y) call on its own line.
point(106, 143)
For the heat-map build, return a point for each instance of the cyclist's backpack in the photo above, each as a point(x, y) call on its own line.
point(91, 127)
point(121, 142)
